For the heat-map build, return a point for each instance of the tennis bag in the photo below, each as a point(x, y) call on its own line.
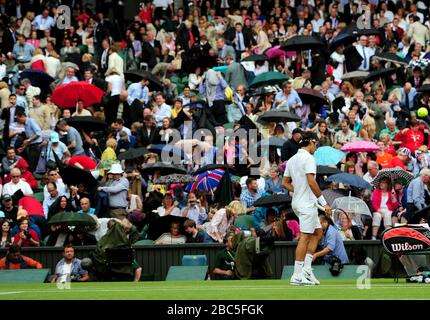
point(406, 239)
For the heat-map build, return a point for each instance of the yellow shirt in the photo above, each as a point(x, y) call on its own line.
point(108, 154)
point(175, 112)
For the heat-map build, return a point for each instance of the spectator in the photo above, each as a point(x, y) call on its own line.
point(169, 207)
point(53, 196)
point(74, 139)
point(6, 238)
point(372, 171)
point(250, 195)
point(195, 235)
point(225, 261)
point(69, 268)
point(16, 184)
point(274, 183)
point(194, 210)
point(344, 136)
point(172, 237)
point(14, 260)
point(26, 237)
point(384, 203)
point(418, 193)
point(223, 219)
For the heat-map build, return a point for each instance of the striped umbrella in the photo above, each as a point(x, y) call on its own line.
point(206, 181)
point(394, 174)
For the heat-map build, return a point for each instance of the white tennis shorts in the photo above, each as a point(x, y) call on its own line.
point(308, 219)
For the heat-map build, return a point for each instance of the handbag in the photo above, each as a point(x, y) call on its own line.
point(41, 164)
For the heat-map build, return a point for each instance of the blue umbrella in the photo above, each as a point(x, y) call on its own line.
point(328, 156)
point(343, 38)
point(351, 180)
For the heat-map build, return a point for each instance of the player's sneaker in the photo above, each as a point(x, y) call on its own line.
point(309, 275)
point(300, 280)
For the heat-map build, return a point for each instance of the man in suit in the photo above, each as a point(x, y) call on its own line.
point(149, 133)
point(417, 78)
point(104, 56)
point(101, 33)
point(224, 50)
point(89, 77)
point(235, 75)
point(242, 41)
point(9, 39)
point(151, 49)
point(365, 52)
point(8, 116)
point(17, 8)
point(334, 18)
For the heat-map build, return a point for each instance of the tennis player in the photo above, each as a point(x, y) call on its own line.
point(299, 178)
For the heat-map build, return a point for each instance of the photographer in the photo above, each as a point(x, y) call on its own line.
point(194, 210)
point(26, 237)
point(69, 268)
point(332, 243)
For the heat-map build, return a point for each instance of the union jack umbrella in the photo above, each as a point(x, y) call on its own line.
point(206, 181)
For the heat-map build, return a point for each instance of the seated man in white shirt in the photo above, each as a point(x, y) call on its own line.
point(161, 110)
point(54, 177)
point(17, 184)
point(81, 111)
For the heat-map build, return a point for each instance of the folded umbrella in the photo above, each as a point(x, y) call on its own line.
point(87, 123)
point(133, 153)
point(138, 75)
point(164, 168)
point(328, 156)
point(268, 78)
point(66, 95)
point(360, 146)
point(394, 174)
point(351, 180)
point(279, 116)
point(274, 200)
point(72, 219)
point(300, 43)
point(72, 176)
point(311, 96)
point(38, 79)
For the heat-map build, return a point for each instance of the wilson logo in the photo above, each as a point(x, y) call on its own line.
point(398, 247)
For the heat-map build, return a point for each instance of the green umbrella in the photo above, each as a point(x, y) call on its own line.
point(269, 78)
point(72, 219)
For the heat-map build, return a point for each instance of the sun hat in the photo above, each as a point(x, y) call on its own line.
point(116, 169)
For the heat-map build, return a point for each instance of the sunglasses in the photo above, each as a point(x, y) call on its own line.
point(16, 176)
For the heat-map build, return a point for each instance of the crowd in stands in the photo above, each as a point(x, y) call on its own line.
point(207, 69)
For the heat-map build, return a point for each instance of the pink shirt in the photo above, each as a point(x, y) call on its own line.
point(294, 227)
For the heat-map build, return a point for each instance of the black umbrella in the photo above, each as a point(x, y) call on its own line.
point(354, 30)
point(72, 176)
point(255, 57)
point(162, 225)
point(275, 200)
point(211, 167)
point(87, 123)
point(300, 43)
point(38, 79)
point(138, 75)
point(425, 88)
point(133, 153)
point(379, 74)
point(278, 116)
point(326, 170)
point(246, 123)
point(164, 168)
point(390, 57)
point(164, 148)
point(343, 38)
point(311, 96)
point(72, 219)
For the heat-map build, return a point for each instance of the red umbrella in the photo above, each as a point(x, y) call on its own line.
point(66, 95)
point(360, 146)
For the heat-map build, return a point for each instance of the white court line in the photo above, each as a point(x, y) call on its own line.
point(6, 293)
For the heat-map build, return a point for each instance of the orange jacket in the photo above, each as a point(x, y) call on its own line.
point(32, 264)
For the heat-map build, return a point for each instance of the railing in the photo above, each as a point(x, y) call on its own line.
point(156, 259)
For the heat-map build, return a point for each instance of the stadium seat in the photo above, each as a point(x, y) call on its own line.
point(323, 272)
point(195, 260)
point(244, 222)
point(24, 276)
point(39, 196)
point(187, 273)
